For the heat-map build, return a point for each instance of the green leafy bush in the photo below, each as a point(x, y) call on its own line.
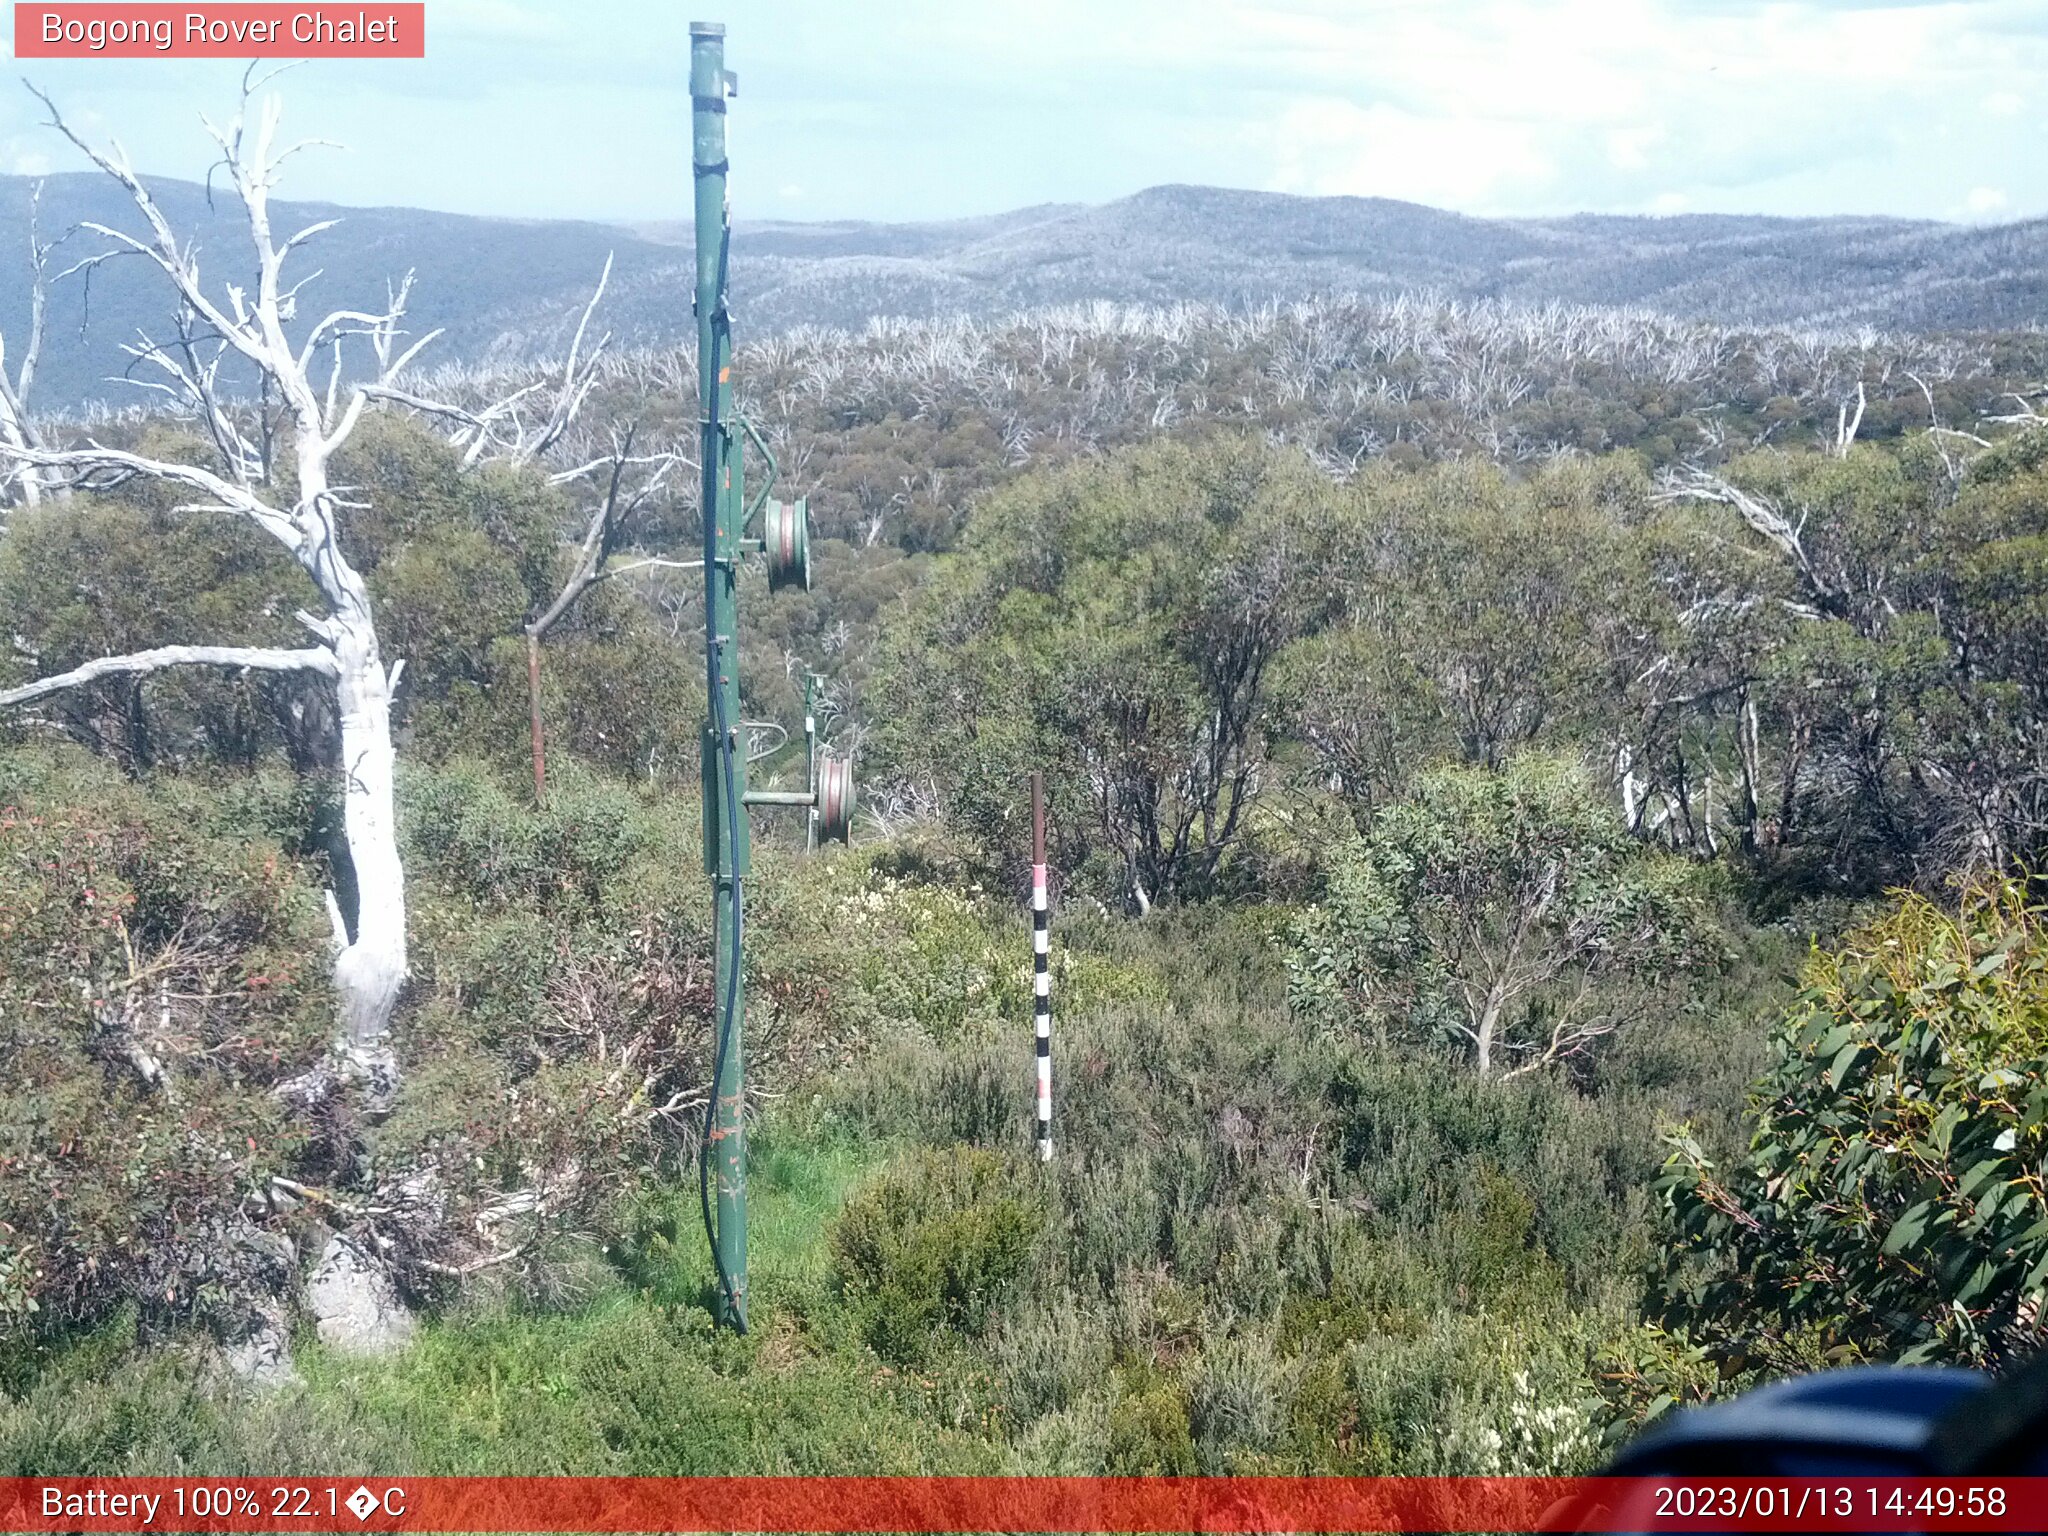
point(1111, 624)
point(1149, 1434)
point(1237, 1405)
point(1509, 914)
point(1891, 1203)
point(157, 980)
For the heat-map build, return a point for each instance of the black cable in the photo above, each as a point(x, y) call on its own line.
point(730, 1010)
point(714, 645)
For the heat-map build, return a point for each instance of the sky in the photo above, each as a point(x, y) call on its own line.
point(932, 109)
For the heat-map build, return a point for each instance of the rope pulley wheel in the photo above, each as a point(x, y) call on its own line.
point(835, 798)
point(786, 536)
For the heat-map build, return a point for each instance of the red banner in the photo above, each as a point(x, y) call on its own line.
point(1021, 1504)
point(113, 31)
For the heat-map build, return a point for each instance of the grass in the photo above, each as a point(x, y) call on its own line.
point(631, 1380)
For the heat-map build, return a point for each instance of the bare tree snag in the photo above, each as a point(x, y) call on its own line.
point(508, 431)
point(1767, 521)
point(1846, 426)
point(250, 324)
point(601, 536)
point(16, 428)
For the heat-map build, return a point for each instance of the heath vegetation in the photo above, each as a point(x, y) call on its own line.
point(1544, 805)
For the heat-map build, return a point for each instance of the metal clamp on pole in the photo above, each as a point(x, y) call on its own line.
point(829, 793)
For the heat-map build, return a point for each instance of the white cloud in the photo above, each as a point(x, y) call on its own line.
point(1629, 149)
point(1329, 147)
point(488, 19)
point(929, 108)
point(500, 17)
point(1508, 107)
point(1983, 202)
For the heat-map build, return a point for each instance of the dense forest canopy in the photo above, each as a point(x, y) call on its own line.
point(1543, 809)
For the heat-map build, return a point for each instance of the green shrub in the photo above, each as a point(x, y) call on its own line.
point(1237, 1404)
point(1482, 1393)
point(1111, 623)
point(933, 1244)
point(157, 980)
point(1069, 1442)
point(1506, 914)
point(1890, 1204)
point(1048, 1358)
point(466, 832)
point(1149, 1435)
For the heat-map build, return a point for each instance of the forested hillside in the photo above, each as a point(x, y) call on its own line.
point(1219, 245)
point(509, 289)
point(1542, 805)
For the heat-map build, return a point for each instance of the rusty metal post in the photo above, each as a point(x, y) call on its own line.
point(540, 755)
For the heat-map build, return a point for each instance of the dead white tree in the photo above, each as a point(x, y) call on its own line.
point(249, 325)
point(1690, 482)
point(629, 482)
point(17, 429)
point(537, 420)
point(1846, 426)
point(512, 428)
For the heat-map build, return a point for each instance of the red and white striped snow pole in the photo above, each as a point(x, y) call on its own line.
point(1041, 966)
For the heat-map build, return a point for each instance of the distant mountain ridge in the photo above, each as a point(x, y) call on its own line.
point(508, 288)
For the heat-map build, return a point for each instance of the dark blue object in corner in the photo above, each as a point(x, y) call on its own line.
point(1871, 1421)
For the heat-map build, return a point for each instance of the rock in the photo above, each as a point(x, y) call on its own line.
point(312, 1088)
point(263, 1356)
point(373, 1070)
point(355, 1307)
point(255, 1331)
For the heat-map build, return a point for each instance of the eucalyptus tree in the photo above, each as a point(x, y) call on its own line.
point(1502, 913)
point(534, 417)
point(1116, 625)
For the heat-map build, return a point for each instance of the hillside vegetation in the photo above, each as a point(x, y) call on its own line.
point(507, 290)
point(1541, 809)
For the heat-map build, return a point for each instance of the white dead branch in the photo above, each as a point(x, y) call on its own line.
point(250, 323)
point(17, 427)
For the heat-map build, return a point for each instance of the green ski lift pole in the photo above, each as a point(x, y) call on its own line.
point(785, 538)
point(725, 820)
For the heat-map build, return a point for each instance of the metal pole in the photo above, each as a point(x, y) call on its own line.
point(725, 821)
point(1041, 961)
point(811, 759)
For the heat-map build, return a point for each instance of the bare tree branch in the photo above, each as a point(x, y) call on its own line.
point(606, 526)
point(17, 429)
point(97, 468)
point(251, 658)
point(1692, 483)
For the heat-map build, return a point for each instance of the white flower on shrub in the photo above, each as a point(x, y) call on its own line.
point(1538, 1439)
